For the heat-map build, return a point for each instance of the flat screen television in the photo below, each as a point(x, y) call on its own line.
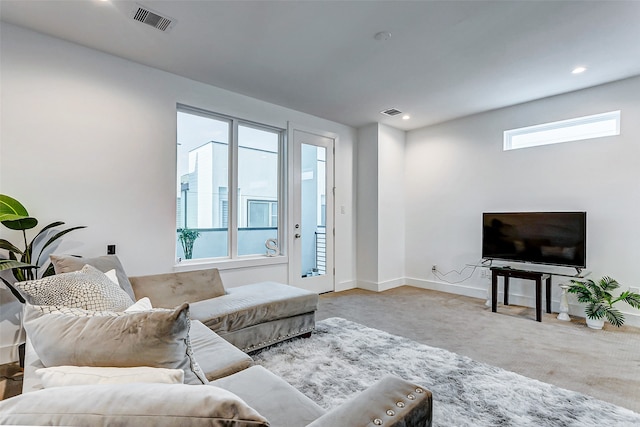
point(552, 238)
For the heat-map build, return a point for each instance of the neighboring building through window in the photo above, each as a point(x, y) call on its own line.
point(262, 213)
point(214, 154)
point(588, 127)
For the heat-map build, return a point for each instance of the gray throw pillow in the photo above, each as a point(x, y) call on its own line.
point(159, 338)
point(68, 263)
point(88, 288)
point(140, 405)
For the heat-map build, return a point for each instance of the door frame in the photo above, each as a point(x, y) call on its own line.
point(294, 275)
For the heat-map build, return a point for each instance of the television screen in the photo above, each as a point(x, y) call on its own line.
point(554, 238)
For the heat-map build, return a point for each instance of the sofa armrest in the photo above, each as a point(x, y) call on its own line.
point(391, 402)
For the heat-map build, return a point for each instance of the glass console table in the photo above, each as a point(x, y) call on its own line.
point(537, 276)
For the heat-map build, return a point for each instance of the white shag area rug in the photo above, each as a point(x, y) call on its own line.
point(343, 358)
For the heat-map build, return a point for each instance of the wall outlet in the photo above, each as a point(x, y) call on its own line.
point(434, 268)
point(634, 290)
point(485, 273)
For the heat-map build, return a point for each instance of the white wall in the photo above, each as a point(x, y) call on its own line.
point(391, 207)
point(457, 170)
point(380, 207)
point(89, 138)
point(367, 202)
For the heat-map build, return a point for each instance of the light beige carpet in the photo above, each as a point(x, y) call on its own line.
point(603, 364)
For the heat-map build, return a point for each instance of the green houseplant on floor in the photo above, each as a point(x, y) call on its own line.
point(600, 301)
point(24, 263)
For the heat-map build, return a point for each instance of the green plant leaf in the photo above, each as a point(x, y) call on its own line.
point(56, 237)
point(50, 271)
point(632, 299)
point(14, 215)
point(9, 205)
point(584, 293)
point(608, 284)
point(595, 310)
point(615, 317)
point(8, 246)
point(10, 264)
point(24, 223)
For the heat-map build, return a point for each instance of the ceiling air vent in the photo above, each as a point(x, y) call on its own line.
point(391, 112)
point(153, 19)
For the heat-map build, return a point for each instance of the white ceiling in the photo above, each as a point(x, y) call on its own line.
point(445, 59)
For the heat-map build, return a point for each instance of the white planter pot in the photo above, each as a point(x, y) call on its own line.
point(595, 323)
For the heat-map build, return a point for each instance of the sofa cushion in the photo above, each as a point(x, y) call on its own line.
point(140, 405)
point(68, 263)
point(271, 396)
point(143, 304)
point(171, 289)
point(249, 305)
point(60, 376)
point(157, 338)
point(216, 357)
point(87, 288)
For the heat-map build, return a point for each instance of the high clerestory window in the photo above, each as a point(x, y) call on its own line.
point(588, 127)
point(229, 178)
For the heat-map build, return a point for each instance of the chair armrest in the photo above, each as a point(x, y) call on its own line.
point(391, 402)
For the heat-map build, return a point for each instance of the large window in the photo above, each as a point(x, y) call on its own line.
point(595, 126)
point(229, 178)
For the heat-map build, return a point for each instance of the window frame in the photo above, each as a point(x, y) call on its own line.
point(511, 134)
point(232, 259)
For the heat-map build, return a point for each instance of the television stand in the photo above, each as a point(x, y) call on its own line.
point(508, 272)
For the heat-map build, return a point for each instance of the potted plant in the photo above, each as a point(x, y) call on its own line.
point(187, 239)
point(600, 302)
point(24, 263)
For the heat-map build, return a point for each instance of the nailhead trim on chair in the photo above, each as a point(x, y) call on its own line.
point(278, 339)
point(400, 404)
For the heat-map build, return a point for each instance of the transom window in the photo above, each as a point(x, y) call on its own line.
point(229, 175)
point(588, 127)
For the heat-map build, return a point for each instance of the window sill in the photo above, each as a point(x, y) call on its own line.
point(230, 264)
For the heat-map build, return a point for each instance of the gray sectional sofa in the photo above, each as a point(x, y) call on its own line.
point(203, 339)
point(250, 317)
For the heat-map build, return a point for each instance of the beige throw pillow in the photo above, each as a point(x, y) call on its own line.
point(70, 336)
point(140, 405)
point(170, 289)
point(88, 288)
point(60, 376)
point(68, 263)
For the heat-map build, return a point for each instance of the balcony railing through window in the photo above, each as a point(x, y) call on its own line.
point(212, 242)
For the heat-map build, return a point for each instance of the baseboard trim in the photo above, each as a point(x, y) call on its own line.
point(345, 286)
point(381, 286)
point(450, 288)
point(577, 310)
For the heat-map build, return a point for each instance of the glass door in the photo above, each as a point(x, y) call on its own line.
point(311, 262)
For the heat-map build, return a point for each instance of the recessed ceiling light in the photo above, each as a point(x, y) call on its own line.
point(578, 70)
point(406, 117)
